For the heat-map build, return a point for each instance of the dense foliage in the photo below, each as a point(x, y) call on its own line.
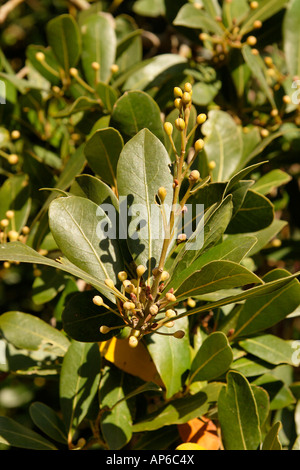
point(149, 193)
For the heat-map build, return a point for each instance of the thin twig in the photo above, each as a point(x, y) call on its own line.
point(7, 8)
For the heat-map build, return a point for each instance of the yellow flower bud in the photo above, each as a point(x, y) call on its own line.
point(153, 309)
point(164, 276)
point(15, 134)
point(170, 297)
point(95, 66)
point(128, 306)
point(274, 112)
point(13, 235)
point(4, 223)
point(169, 324)
point(168, 128)
point(73, 72)
point(178, 103)
point(170, 313)
point(199, 145)
point(201, 118)
point(257, 24)
point(186, 98)
point(212, 165)
point(254, 5)
point(10, 214)
point(129, 287)
point(178, 92)
point(264, 132)
point(140, 270)
point(114, 68)
point(286, 99)
point(104, 329)
point(25, 230)
point(97, 300)
point(40, 56)
point(191, 302)
point(188, 87)
point(251, 40)
point(194, 176)
point(180, 124)
point(254, 52)
point(162, 193)
point(133, 341)
point(109, 283)
point(268, 61)
point(13, 159)
point(6, 264)
point(122, 276)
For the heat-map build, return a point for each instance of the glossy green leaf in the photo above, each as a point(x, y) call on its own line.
point(270, 348)
point(134, 111)
point(223, 143)
point(265, 10)
point(192, 17)
point(129, 46)
point(94, 189)
point(251, 367)
point(291, 41)
point(64, 38)
point(15, 195)
point(82, 319)
point(81, 104)
point(262, 402)
point(47, 286)
point(79, 380)
point(171, 356)
point(256, 213)
point(212, 359)
point(270, 181)
point(26, 331)
point(214, 276)
point(279, 393)
point(271, 440)
point(17, 435)
point(102, 152)
point(142, 170)
point(48, 421)
point(236, 10)
point(74, 226)
point(263, 312)
point(238, 414)
point(116, 424)
point(99, 44)
point(107, 94)
point(265, 235)
point(151, 8)
point(50, 73)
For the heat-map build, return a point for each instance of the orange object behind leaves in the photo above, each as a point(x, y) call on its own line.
point(202, 432)
point(135, 361)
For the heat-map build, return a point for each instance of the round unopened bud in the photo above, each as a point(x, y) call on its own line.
point(162, 193)
point(15, 134)
point(128, 305)
point(169, 324)
point(212, 165)
point(170, 313)
point(181, 238)
point(13, 159)
point(135, 333)
point(73, 72)
point(254, 5)
point(95, 66)
point(286, 99)
point(194, 176)
point(104, 329)
point(274, 112)
point(133, 341)
point(153, 309)
point(276, 242)
point(4, 223)
point(179, 334)
point(257, 24)
point(25, 230)
point(122, 276)
point(109, 283)
point(129, 287)
point(201, 118)
point(186, 98)
point(170, 297)
point(40, 56)
point(191, 302)
point(178, 92)
point(254, 52)
point(178, 103)
point(10, 214)
point(203, 36)
point(140, 270)
point(199, 145)
point(268, 61)
point(164, 276)
point(188, 87)
point(13, 235)
point(251, 40)
point(56, 89)
point(264, 132)
point(97, 300)
point(168, 128)
point(6, 264)
point(114, 68)
point(180, 124)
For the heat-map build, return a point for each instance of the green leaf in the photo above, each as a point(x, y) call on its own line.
point(205, 93)
point(265, 235)
point(102, 152)
point(95, 190)
point(251, 367)
point(134, 111)
point(279, 393)
point(270, 348)
point(107, 94)
point(152, 8)
point(52, 76)
point(171, 356)
point(26, 331)
point(17, 435)
point(15, 195)
point(256, 213)
point(212, 359)
point(99, 44)
point(116, 424)
point(262, 402)
point(263, 312)
point(214, 276)
point(235, 11)
point(265, 10)
point(271, 440)
point(64, 38)
point(258, 69)
point(291, 38)
point(192, 17)
point(47, 286)
point(223, 143)
point(142, 170)
point(82, 319)
point(79, 380)
point(270, 181)
point(81, 104)
point(129, 47)
point(238, 414)
point(48, 421)
point(74, 226)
